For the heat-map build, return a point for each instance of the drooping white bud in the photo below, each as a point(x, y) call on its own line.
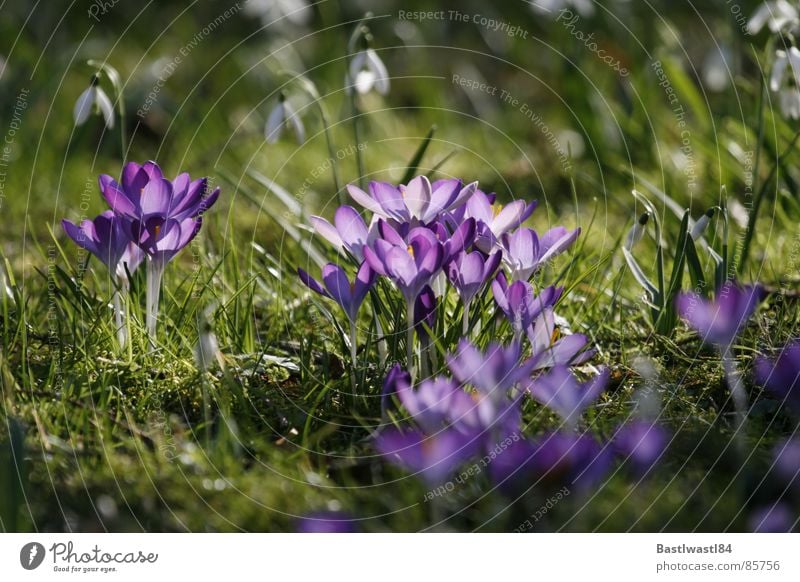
point(636, 233)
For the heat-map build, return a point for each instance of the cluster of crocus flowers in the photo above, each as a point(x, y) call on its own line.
point(424, 234)
point(477, 415)
point(151, 220)
point(449, 250)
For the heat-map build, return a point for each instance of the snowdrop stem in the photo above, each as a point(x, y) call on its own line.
point(155, 272)
point(736, 387)
point(356, 135)
point(331, 151)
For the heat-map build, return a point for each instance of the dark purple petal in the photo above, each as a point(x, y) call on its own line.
point(335, 280)
point(775, 518)
point(641, 443)
point(311, 283)
point(433, 457)
point(782, 377)
point(118, 199)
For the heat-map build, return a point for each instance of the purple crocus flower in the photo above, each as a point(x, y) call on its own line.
point(641, 443)
point(720, 321)
point(338, 287)
point(348, 232)
point(550, 349)
point(161, 238)
point(782, 376)
point(556, 458)
point(325, 522)
point(524, 252)
point(438, 403)
point(419, 202)
point(787, 460)
point(335, 285)
point(106, 238)
point(468, 272)
point(494, 371)
point(494, 220)
point(144, 194)
point(519, 302)
point(411, 264)
point(561, 392)
point(775, 518)
point(434, 457)
point(425, 311)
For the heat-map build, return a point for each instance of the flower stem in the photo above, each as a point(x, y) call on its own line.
point(465, 320)
point(738, 394)
point(356, 136)
point(331, 150)
point(353, 346)
point(122, 330)
point(155, 272)
point(410, 338)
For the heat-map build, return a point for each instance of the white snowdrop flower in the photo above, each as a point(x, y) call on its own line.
point(789, 102)
point(778, 15)
point(93, 99)
point(283, 114)
point(368, 72)
point(788, 93)
point(636, 233)
point(716, 70)
point(702, 223)
point(297, 12)
point(207, 348)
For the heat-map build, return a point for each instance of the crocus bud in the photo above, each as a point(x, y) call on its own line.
point(637, 231)
point(93, 99)
point(702, 224)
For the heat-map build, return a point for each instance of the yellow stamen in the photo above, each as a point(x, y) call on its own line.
point(158, 230)
point(497, 209)
point(410, 250)
point(554, 337)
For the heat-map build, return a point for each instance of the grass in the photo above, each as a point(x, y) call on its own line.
point(98, 439)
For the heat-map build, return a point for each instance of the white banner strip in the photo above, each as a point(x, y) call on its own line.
point(387, 557)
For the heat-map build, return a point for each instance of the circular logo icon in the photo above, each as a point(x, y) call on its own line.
point(31, 555)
